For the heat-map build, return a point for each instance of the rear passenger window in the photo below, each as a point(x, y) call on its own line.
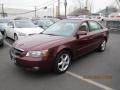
point(94, 26)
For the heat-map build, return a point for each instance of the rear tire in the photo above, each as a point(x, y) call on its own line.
point(5, 34)
point(102, 46)
point(62, 62)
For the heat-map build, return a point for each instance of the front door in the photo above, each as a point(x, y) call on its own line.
point(84, 42)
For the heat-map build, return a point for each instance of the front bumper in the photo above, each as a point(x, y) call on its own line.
point(28, 62)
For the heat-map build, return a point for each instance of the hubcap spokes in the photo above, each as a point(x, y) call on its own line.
point(103, 45)
point(64, 62)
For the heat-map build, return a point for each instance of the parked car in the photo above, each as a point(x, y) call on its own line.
point(3, 24)
point(44, 23)
point(59, 44)
point(1, 39)
point(5, 21)
point(19, 29)
point(2, 28)
point(54, 20)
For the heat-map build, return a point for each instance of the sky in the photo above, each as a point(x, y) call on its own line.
point(72, 4)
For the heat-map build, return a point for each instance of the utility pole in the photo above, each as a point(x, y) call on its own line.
point(3, 14)
point(58, 8)
point(35, 12)
point(87, 4)
point(107, 11)
point(53, 10)
point(35, 9)
point(65, 3)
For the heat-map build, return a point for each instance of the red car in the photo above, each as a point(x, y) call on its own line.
point(59, 44)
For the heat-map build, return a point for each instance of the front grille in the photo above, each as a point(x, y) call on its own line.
point(17, 52)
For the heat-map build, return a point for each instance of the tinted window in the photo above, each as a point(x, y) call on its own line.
point(94, 26)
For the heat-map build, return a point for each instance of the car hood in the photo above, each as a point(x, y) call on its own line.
point(35, 41)
point(29, 30)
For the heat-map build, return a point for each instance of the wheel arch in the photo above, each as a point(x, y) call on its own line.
point(65, 49)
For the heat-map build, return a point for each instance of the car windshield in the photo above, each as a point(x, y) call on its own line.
point(4, 20)
point(3, 25)
point(24, 24)
point(61, 29)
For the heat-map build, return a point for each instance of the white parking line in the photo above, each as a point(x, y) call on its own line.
point(8, 43)
point(90, 81)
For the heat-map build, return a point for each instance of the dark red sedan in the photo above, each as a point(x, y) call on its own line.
point(59, 44)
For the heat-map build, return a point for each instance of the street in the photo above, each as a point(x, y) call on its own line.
point(96, 63)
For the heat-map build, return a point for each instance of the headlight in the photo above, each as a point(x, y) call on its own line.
point(21, 34)
point(37, 53)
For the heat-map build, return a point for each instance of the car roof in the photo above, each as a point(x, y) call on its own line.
point(77, 20)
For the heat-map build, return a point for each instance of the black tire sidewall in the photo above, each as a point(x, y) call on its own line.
point(5, 34)
point(15, 36)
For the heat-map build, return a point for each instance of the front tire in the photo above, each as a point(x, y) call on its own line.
point(1, 45)
point(15, 37)
point(62, 62)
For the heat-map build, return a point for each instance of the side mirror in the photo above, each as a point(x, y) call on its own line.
point(82, 33)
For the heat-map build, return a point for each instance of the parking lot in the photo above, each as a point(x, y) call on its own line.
point(94, 66)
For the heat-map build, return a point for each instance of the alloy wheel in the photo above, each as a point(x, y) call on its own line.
point(103, 45)
point(64, 61)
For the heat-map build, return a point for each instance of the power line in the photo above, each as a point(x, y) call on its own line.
point(47, 2)
point(36, 9)
point(118, 3)
point(35, 14)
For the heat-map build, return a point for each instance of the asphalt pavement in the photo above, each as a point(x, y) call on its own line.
point(95, 71)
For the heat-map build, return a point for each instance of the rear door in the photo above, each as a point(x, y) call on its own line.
point(96, 35)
